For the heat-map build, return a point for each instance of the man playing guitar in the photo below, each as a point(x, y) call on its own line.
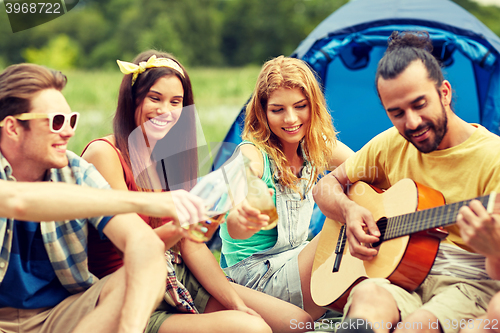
point(431, 145)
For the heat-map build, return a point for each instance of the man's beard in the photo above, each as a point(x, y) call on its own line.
point(439, 129)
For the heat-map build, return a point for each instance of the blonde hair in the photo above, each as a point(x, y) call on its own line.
point(320, 139)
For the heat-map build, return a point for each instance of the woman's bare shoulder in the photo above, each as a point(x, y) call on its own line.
point(255, 156)
point(105, 158)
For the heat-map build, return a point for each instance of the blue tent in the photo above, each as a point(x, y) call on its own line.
point(346, 47)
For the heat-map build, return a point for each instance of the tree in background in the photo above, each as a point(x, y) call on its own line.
point(197, 32)
point(487, 14)
point(257, 30)
point(60, 53)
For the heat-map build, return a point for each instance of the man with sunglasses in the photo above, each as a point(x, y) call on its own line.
point(45, 285)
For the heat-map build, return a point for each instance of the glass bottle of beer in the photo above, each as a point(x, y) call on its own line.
point(258, 196)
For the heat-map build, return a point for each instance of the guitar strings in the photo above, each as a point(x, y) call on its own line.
point(406, 224)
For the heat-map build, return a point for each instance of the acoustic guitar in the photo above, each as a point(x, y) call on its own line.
point(409, 216)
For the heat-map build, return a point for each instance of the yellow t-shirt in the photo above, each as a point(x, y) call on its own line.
point(466, 171)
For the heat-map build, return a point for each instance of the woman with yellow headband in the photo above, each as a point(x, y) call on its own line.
point(153, 148)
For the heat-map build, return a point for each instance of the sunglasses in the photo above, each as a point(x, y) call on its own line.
point(56, 120)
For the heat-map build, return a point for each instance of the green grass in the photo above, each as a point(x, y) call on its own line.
point(94, 95)
point(219, 95)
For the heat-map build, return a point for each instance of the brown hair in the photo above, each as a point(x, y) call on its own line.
point(19, 83)
point(318, 148)
point(181, 167)
point(403, 49)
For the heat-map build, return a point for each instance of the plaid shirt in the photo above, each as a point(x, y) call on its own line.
point(65, 241)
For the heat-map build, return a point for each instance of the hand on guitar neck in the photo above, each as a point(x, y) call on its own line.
point(481, 231)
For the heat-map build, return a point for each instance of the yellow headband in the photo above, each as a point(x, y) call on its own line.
point(130, 68)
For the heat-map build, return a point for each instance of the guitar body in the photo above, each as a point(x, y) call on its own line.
point(405, 261)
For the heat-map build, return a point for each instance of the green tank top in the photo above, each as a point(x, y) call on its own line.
point(235, 250)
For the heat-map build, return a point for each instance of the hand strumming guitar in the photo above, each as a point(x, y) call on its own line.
point(361, 227)
point(361, 231)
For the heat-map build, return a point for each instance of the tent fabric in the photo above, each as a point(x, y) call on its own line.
point(345, 49)
point(359, 15)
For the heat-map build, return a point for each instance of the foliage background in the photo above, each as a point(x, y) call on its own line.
point(198, 32)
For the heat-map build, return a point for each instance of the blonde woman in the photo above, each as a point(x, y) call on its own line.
point(290, 140)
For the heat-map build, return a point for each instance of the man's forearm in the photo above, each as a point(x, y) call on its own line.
point(330, 197)
point(60, 201)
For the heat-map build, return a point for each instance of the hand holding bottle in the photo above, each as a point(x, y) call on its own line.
point(260, 197)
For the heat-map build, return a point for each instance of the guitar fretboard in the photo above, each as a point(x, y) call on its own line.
point(440, 216)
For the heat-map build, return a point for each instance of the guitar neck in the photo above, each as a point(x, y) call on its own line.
point(440, 216)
